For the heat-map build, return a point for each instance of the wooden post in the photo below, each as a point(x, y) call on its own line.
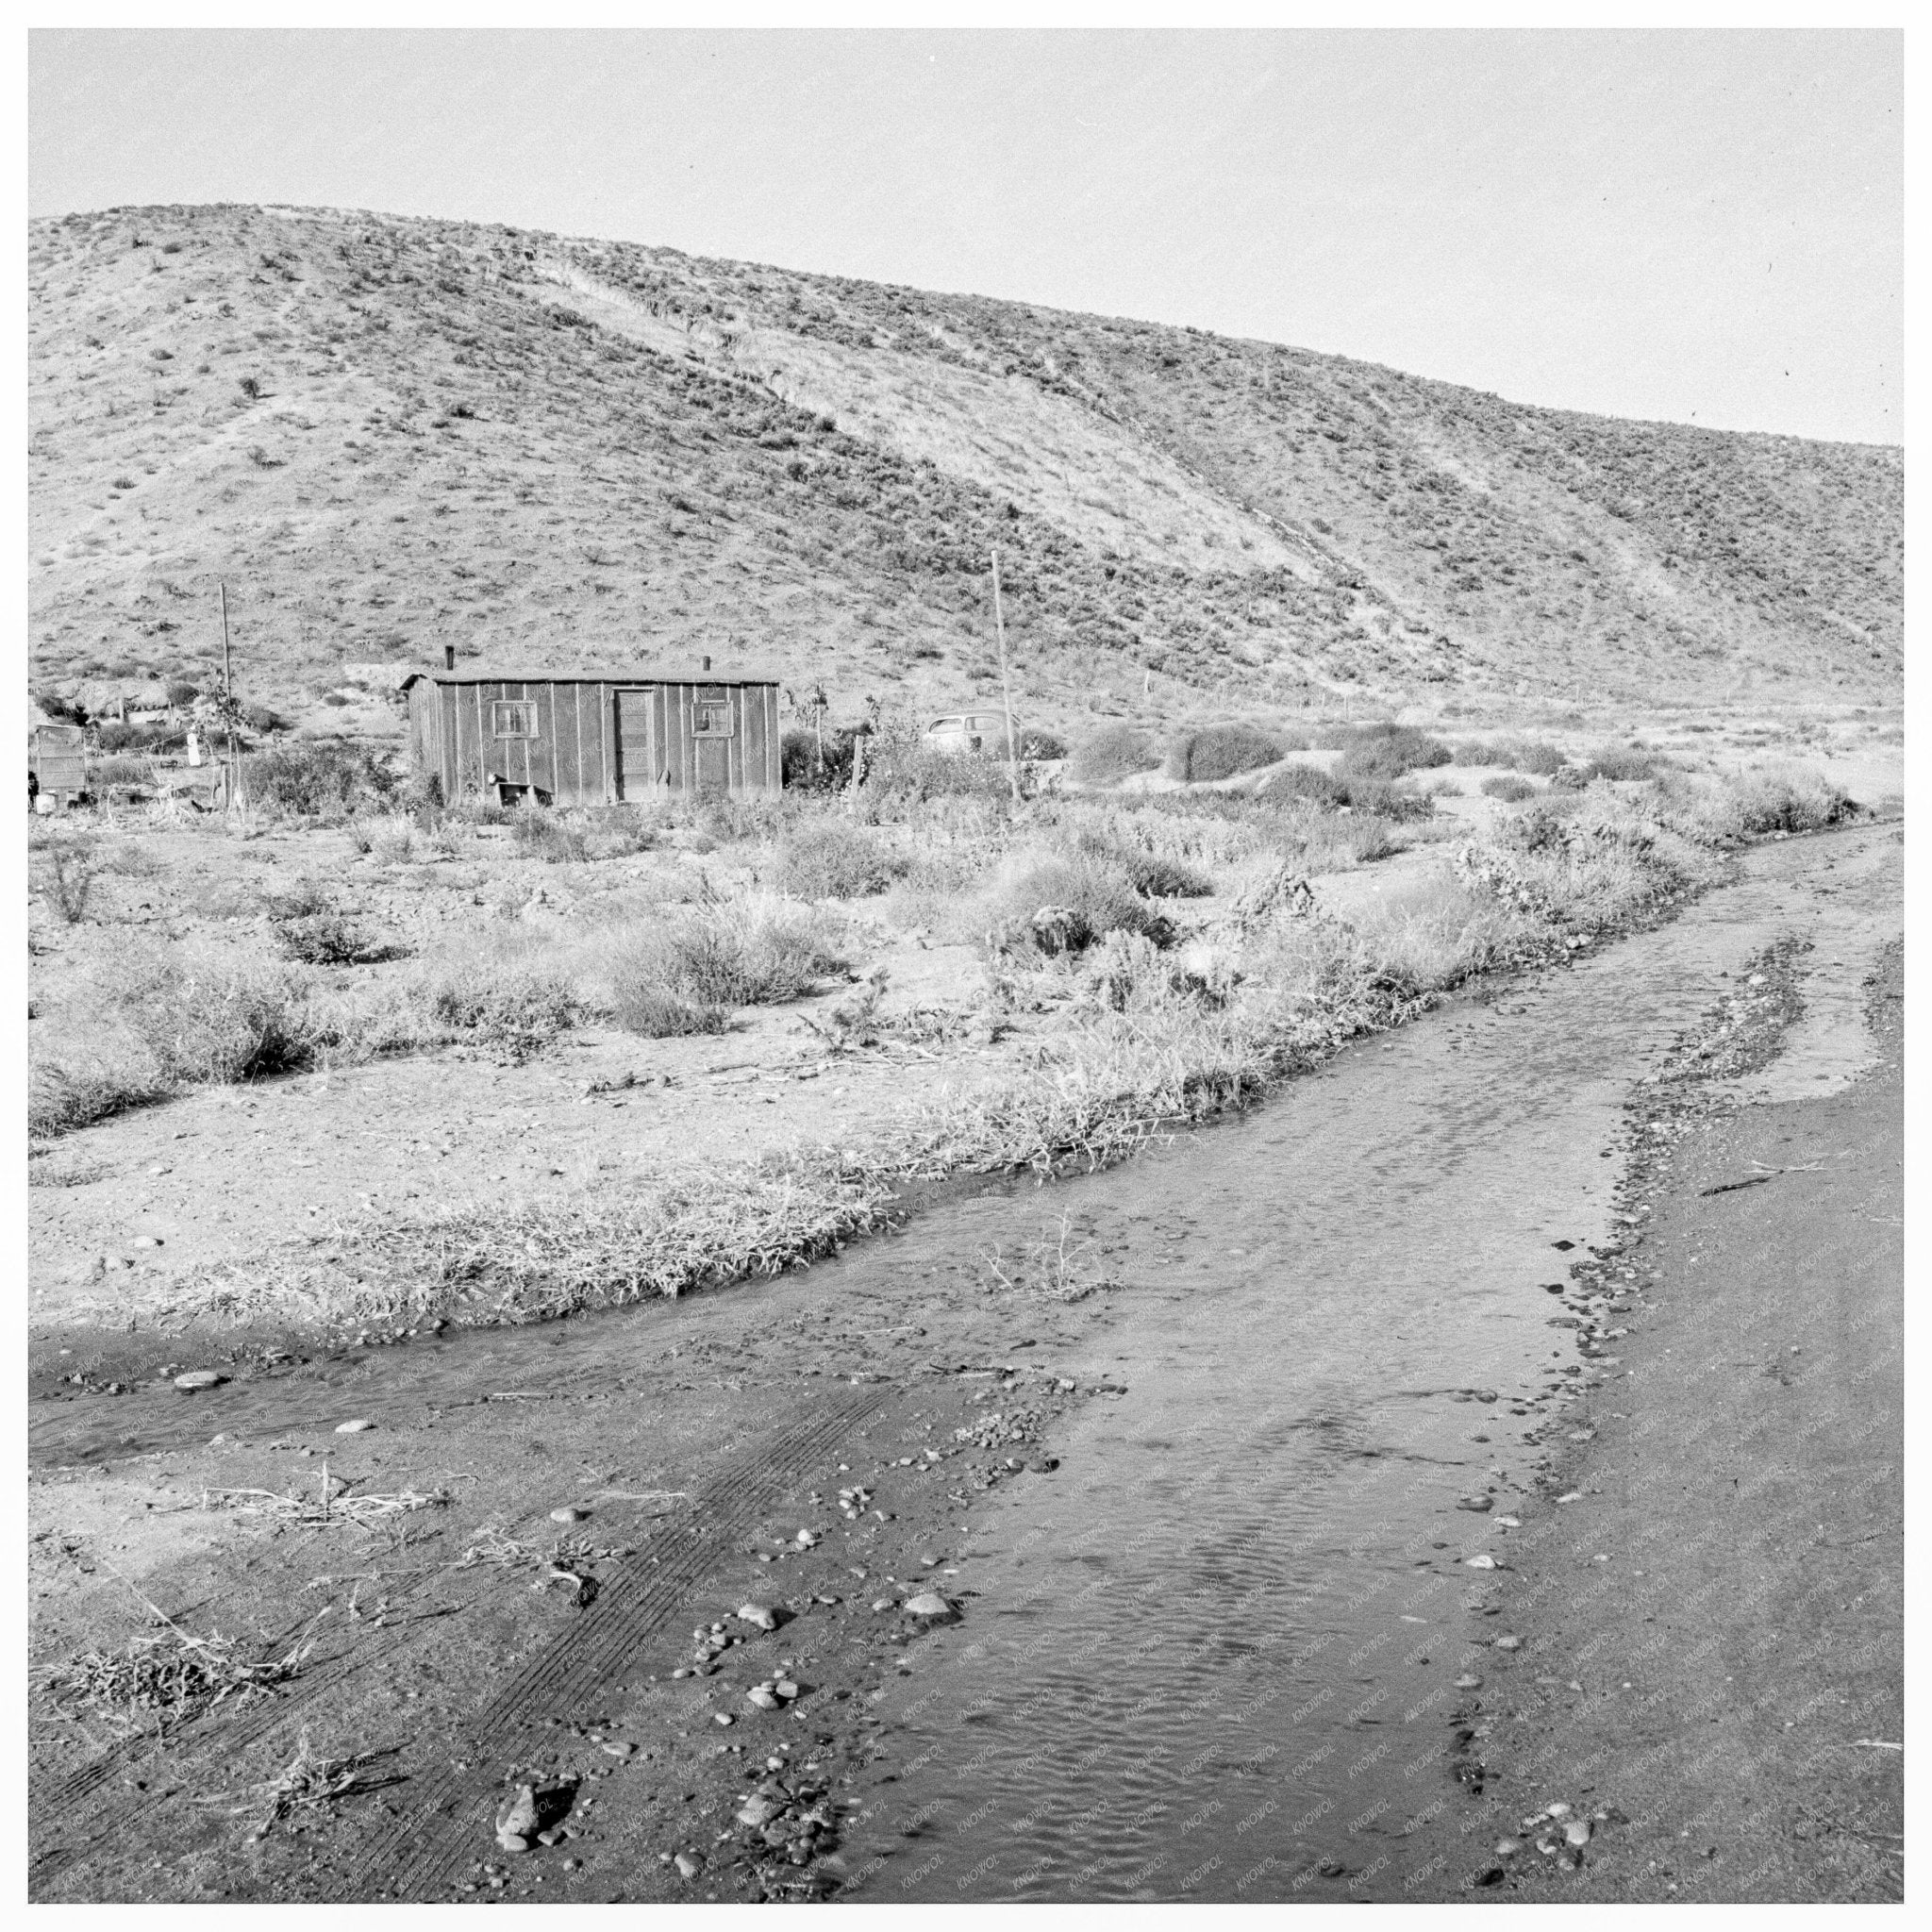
point(999, 621)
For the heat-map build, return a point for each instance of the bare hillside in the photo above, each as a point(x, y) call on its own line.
point(387, 434)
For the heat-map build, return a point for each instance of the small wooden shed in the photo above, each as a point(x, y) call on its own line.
point(591, 737)
point(56, 756)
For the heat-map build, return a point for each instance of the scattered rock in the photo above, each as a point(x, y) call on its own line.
point(757, 1812)
point(1576, 1832)
point(614, 1749)
point(200, 1378)
point(765, 1617)
point(1481, 1502)
point(354, 1428)
point(763, 1697)
point(1467, 1682)
point(786, 1689)
point(720, 1717)
point(689, 1864)
point(516, 1820)
point(569, 1515)
point(1482, 1561)
point(1508, 1643)
point(930, 1605)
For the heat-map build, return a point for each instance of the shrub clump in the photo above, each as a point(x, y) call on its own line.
point(1062, 904)
point(685, 975)
point(834, 859)
point(326, 780)
point(1153, 874)
point(515, 1008)
point(539, 834)
point(209, 1020)
point(327, 939)
point(1221, 751)
point(1311, 782)
point(1114, 753)
point(902, 769)
point(1508, 788)
point(1389, 751)
point(67, 879)
point(1619, 764)
point(1531, 755)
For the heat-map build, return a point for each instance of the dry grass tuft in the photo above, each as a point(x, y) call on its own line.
point(162, 1677)
point(310, 1781)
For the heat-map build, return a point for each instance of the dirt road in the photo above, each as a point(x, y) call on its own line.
point(1713, 1630)
point(1212, 1460)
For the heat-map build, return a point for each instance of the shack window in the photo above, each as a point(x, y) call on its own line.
point(711, 715)
point(514, 720)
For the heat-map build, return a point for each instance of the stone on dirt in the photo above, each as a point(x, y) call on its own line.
point(689, 1864)
point(568, 1515)
point(354, 1428)
point(200, 1378)
point(765, 1616)
point(516, 1820)
point(931, 1605)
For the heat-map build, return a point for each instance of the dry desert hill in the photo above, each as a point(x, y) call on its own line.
point(387, 434)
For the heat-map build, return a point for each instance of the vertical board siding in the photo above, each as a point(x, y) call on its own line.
point(451, 725)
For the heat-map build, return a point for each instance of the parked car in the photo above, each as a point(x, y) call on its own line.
point(963, 732)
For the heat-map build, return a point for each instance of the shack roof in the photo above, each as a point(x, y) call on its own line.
point(627, 675)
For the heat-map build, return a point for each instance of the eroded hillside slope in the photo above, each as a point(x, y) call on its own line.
point(386, 434)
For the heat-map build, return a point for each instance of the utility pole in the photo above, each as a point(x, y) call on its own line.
point(228, 700)
point(999, 621)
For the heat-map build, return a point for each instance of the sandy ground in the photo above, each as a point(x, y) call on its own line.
point(1712, 1632)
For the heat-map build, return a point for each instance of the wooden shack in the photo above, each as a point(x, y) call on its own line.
point(591, 737)
point(56, 756)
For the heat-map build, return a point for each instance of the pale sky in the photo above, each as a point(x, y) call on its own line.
point(1700, 226)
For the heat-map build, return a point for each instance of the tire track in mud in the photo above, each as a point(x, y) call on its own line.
point(444, 1829)
point(92, 1833)
point(422, 1854)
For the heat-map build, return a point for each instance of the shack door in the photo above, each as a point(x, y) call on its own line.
point(640, 742)
point(713, 730)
